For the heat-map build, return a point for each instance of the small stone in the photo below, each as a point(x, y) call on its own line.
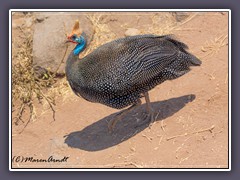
point(180, 16)
point(204, 138)
point(133, 149)
point(40, 19)
point(132, 32)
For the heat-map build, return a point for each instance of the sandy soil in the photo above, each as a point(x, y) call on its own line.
point(191, 130)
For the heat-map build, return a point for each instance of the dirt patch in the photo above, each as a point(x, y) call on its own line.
point(191, 130)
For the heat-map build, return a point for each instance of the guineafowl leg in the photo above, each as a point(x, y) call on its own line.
point(148, 107)
point(119, 116)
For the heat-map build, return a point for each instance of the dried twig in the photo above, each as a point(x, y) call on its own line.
point(195, 132)
point(48, 101)
point(65, 52)
point(31, 115)
point(160, 140)
point(148, 138)
point(125, 164)
point(19, 115)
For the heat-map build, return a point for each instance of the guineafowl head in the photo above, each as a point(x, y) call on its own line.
point(77, 37)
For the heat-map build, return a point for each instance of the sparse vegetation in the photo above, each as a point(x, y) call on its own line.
point(26, 86)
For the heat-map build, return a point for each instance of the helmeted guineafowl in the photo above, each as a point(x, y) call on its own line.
point(119, 73)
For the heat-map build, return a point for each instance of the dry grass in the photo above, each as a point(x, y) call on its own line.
point(102, 33)
point(170, 26)
point(26, 86)
point(212, 47)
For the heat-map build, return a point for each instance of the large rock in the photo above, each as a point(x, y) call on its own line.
point(50, 36)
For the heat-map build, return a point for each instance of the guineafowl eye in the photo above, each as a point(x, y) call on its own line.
point(73, 37)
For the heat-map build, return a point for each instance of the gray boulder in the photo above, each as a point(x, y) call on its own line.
point(49, 38)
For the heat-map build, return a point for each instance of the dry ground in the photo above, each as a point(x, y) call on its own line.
point(191, 130)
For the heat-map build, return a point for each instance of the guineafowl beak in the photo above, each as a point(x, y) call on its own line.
point(70, 40)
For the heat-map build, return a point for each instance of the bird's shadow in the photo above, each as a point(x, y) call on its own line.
point(96, 136)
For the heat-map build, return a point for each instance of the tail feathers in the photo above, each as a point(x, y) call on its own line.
point(182, 46)
point(194, 60)
point(173, 39)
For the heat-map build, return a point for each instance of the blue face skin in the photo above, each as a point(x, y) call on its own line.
point(81, 43)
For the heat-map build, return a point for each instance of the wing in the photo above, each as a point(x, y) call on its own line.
point(144, 58)
point(125, 63)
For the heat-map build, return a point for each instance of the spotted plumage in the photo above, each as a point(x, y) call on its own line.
point(117, 73)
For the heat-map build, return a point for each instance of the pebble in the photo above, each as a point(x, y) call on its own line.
point(132, 32)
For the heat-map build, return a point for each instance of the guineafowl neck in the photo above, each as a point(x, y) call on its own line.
point(74, 55)
point(79, 48)
point(71, 59)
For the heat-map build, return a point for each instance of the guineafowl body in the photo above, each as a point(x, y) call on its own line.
point(118, 73)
